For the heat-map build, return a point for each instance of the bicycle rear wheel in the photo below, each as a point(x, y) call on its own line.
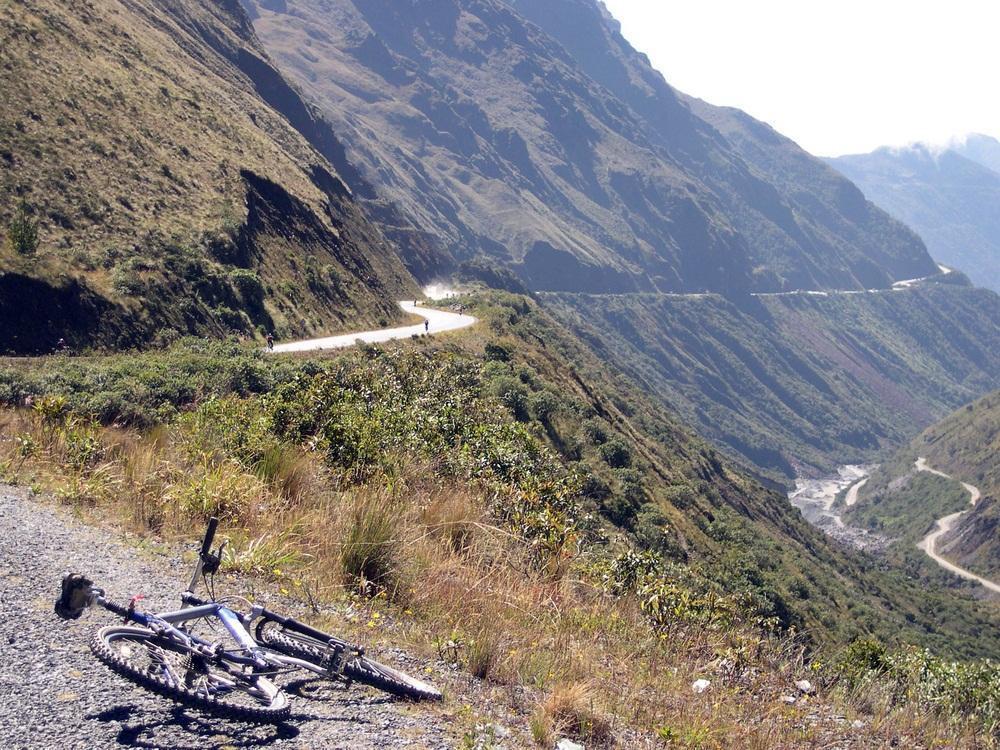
point(167, 667)
point(361, 669)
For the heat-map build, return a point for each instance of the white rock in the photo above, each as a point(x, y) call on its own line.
point(805, 686)
point(700, 686)
point(789, 699)
point(567, 744)
point(857, 724)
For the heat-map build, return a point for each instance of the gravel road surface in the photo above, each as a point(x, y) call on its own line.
point(438, 321)
point(56, 695)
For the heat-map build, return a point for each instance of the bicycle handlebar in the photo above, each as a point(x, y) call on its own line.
point(206, 545)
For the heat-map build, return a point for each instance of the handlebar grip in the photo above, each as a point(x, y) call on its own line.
point(206, 545)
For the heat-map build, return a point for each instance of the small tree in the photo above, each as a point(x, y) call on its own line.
point(22, 234)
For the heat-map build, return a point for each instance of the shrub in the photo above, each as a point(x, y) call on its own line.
point(221, 489)
point(653, 532)
point(861, 659)
point(512, 394)
point(236, 320)
point(249, 286)
point(595, 431)
point(22, 234)
point(544, 405)
point(616, 454)
point(126, 281)
point(497, 353)
point(83, 445)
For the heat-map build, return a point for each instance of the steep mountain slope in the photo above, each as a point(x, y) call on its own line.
point(803, 222)
point(532, 133)
point(796, 382)
point(952, 200)
point(179, 183)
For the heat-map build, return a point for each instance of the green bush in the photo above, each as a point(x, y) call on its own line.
point(544, 406)
point(595, 431)
point(616, 453)
point(497, 353)
point(126, 281)
point(249, 286)
point(22, 234)
point(512, 394)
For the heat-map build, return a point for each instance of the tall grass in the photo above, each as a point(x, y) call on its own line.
point(370, 551)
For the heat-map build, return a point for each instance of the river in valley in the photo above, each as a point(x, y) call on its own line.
point(816, 498)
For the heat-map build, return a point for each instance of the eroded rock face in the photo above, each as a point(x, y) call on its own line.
point(531, 132)
point(156, 147)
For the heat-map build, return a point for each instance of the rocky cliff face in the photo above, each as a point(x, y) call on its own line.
point(179, 183)
point(533, 133)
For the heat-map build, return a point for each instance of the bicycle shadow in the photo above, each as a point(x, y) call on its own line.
point(321, 691)
point(152, 729)
point(147, 729)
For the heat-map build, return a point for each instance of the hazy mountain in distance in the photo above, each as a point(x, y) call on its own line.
point(980, 148)
point(950, 197)
point(535, 134)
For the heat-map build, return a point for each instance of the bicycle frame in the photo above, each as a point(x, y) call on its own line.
point(249, 653)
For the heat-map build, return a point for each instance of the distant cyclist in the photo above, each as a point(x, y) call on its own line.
point(427, 326)
point(270, 342)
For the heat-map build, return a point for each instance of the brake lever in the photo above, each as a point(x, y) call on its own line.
point(211, 563)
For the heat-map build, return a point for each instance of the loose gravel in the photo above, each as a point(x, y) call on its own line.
point(55, 694)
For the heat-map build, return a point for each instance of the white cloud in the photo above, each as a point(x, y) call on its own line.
point(838, 77)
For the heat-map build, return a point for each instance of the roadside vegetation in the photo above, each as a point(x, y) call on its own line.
point(907, 506)
point(468, 502)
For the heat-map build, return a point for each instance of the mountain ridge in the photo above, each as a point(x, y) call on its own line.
point(582, 172)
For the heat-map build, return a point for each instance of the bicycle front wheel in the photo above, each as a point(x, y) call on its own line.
point(169, 668)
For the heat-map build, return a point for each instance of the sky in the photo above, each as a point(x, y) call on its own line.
point(838, 77)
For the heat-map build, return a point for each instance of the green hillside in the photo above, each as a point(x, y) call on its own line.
point(643, 478)
point(904, 503)
point(796, 381)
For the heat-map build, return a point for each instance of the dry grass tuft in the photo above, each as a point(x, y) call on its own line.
point(370, 553)
point(570, 710)
point(452, 517)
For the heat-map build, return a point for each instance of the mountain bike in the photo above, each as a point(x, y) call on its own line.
point(231, 677)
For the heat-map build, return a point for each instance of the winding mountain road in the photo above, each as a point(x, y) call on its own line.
point(929, 543)
point(437, 321)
